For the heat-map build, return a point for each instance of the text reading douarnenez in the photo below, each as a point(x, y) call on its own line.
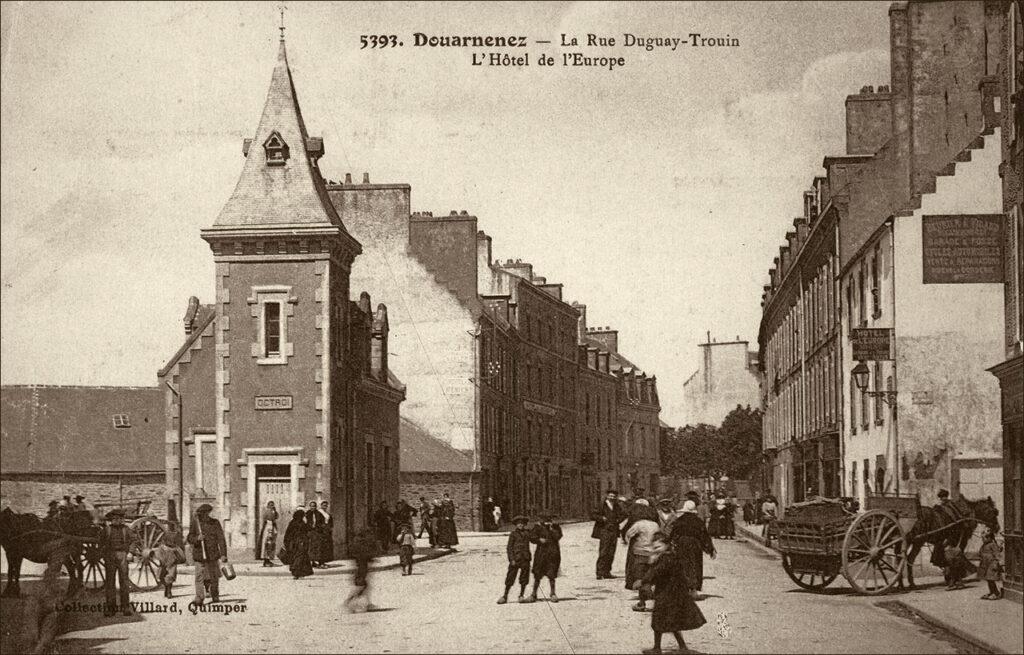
point(577, 51)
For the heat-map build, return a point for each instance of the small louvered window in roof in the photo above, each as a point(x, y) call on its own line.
point(121, 421)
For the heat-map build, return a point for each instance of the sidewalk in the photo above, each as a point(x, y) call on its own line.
point(995, 626)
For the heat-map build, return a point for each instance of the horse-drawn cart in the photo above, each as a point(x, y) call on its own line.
point(821, 539)
point(142, 572)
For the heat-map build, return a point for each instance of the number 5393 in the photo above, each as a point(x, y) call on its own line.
point(378, 41)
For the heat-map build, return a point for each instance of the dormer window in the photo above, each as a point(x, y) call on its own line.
point(122, 421)
point(276, 149)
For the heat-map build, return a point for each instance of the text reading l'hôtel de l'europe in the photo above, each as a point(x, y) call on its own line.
point(508, 49)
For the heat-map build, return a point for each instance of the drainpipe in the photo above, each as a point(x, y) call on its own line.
point(181, 455)
point(893, 409)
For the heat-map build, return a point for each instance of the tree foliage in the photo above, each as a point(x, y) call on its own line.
point(733, 448)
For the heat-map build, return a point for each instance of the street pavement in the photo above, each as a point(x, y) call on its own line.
point(448, 606)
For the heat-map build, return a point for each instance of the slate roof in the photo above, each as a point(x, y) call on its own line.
point(420, 451)
point(290, 194)
point(71, 429)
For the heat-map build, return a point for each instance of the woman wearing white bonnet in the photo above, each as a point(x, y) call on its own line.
point(690, 539)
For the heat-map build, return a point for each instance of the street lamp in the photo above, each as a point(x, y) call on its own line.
point(860, 375)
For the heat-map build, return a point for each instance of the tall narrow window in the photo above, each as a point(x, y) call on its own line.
point(272, 329)
point(864, 418)
point(861, 305)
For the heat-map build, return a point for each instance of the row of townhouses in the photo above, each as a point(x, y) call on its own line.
point(890, 338)
point(469, 376)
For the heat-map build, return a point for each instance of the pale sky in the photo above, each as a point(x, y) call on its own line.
point(657, 193)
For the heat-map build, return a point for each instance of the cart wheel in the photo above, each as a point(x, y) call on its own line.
point(874, 552)
point(814, 581)
point(144, 570)
point(94, 569)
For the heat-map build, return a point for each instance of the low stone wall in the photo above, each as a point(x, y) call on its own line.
point(463, 487)
point(32, 492)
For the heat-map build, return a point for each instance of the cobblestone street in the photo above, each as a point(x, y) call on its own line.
point(448, 605)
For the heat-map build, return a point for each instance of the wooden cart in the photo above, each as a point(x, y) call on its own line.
point(142, 572)
point(820, 540)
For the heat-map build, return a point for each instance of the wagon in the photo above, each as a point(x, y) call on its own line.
point(821, 539)
point(142, 572)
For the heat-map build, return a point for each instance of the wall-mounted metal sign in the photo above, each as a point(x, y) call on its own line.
point(962, 249)
point(871, 344)
point(273, 402)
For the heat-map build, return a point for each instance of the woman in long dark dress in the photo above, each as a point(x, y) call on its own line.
point(690, 541)
point(446, 533)
point(547, 558)
point(325, 537)
point(674, 609)
point(296, 543)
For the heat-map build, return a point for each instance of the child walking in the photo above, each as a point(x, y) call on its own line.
point(518, 550)
point(548, 557)
point(674, 607)
point(990, 569)
point(406, 542)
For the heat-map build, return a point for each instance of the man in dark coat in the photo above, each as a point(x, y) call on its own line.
point(209, 549)
point(518, 551)
point(547, 559)
point(487, 516)
point(690, 540)
point(403, 514)
point(607, 518)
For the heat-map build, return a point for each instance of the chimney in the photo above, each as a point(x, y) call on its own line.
point(483, 250)
point(379, 344)
point(607, 337)
point(868, 120)
point(581, 322)
point(810, 205)
point(366, 178)
point(190, 314)
point(348, 178)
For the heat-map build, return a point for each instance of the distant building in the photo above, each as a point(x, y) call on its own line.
point(726, 377)
point(104, 443)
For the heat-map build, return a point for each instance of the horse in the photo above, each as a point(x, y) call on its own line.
point(935, 527)
point(26, 536)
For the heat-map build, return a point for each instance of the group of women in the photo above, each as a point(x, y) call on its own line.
point(665, 563)
point(307, 540)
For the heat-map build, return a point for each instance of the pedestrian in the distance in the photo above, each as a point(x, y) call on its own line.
point(748, 512)
point(325, 536)
point(424, 510)
point(487, 515)
point(547, 558)
point(666, 514)
point(607, 519)
point(296, 545)
point(363, 550)
point(209, 549)
point(674, 609)
point(518, 551)
point(769, 513)
point(496, 513)
point(314, 523)
point(382, 527)
point(268, 534)
point(406, 545)
point(990, 568)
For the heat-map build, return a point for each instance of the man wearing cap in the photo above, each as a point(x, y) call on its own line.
point(116, 541)
point(607, 518)
point(209, 549)
point(518, 550)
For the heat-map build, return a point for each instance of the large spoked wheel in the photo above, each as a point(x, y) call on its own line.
point(144, 570)
point(812, 580)
point(874, 553)
point(93, 569)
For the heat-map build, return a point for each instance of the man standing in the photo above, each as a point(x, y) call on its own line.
point(382, 527)
point(425, 519)
point(116, 542)
point(606, 528)
point(487, 515)
point(209, 549)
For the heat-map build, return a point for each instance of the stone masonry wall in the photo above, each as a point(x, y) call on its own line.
point(463, 488)
point(33, 493)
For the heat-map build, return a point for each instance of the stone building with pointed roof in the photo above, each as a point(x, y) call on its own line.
point(282, 389)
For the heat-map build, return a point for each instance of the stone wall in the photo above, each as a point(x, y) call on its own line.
point(463, 487)
point(28, 492)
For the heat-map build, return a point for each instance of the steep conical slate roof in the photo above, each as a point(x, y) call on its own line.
point(282, 193)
